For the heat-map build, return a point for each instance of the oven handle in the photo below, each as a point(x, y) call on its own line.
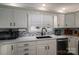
point(62, 40)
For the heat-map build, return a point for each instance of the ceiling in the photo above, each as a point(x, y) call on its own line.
point(52, 7)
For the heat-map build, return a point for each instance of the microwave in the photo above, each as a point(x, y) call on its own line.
point(9, 34)
point(57, 31)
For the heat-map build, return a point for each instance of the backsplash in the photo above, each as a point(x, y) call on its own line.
point(25, 33)
point(68, 31)
point(35, 32)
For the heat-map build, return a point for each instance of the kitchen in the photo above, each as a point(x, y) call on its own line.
point(31, 29)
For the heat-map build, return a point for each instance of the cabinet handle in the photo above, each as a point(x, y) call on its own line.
point(14, 24)
point(66, 24)
point(25, 44)
point(48, 47)
point(11, 47)
point(58, 24)
point(26, 54)
point(26, 49)
point(10, 24)
point(45, 47)
point(69, 40)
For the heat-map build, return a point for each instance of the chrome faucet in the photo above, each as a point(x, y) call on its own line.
point(42, 31)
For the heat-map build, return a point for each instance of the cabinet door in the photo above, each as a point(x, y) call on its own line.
point(47, 20)
point(69, 20)
point(60, 20)
point(77, 19)
point(52, 47)
point(35, 19)
point(42, 49)
point(32, 50)
point(5, 18)
point(72, 45)
point(5, 50)
point(55, 22)
point(20, 18)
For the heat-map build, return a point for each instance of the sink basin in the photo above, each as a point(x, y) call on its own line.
point(41, 37)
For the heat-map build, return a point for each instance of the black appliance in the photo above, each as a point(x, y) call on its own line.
point(62, 46)
point(9, 34)
point(57, 31)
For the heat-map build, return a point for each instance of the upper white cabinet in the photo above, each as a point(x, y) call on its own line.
point(35, 19)
point(20, 18)
point(48, 20)
point(77, 19)
point(40, 19)
point(13, 18)
point(59, 21)
point(69, 20)
point(5, 18)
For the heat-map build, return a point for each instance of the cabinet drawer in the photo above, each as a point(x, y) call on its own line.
point(42, 42)
point(25, 44)
point(22, 51)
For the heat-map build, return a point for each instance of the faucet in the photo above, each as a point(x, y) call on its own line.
point(42, 31)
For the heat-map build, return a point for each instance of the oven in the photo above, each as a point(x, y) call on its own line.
point(62, 46)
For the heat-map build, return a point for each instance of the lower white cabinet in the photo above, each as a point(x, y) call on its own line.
point(52, 47)
point(6, 49)
point(25, 48)
point(40, 47)
point(73, 43)
point(46, 47)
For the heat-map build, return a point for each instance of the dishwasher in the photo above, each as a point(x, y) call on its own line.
point(62, 46)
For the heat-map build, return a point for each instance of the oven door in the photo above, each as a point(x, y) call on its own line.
point(62, 46)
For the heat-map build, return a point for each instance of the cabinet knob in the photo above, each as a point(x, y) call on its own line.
point(66, 24)
point(10, 24)
point(26, 54)
point(26, 44)
point(11, 47)
point(26, 49)
point(14, 24)
point(48, 47)
point(58, 24)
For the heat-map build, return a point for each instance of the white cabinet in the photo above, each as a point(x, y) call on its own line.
point(47, 47)
point(13, 18)
point(5, 18)
point(69, 20)
point(73, 45)
point(52, 47)
point(35, 19)
point(77, 19)
point(25, 48)
point(55, 22)
point(59, 21)
point(42, 49)
point(20, 18)
point(48, 20)
point(6, 49)
point(40, 19)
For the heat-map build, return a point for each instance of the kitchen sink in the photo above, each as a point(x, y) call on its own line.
point(41, 37)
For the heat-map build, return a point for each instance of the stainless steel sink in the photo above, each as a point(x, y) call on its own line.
point(41, 37)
